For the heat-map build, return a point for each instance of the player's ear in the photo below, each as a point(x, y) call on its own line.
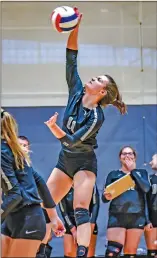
point(103, 92)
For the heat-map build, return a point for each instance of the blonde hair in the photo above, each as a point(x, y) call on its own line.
point(9, 131)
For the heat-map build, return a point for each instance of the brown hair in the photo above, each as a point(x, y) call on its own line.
point(127, 146)
point(9, 130)
point(113, 96)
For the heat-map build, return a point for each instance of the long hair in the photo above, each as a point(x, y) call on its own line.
point(9, 131)
point(113, 96)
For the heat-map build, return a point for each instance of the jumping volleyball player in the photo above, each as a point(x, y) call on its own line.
point(83, 118)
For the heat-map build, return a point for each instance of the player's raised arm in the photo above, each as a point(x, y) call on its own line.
point(72, 77)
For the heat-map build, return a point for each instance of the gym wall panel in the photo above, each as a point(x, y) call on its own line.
point(33, 54)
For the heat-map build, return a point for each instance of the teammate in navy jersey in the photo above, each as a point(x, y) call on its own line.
point(82, 120)
point(127, 217)
point(151, 228)
point(24, 225)
point(45, 249)
point(67, 211)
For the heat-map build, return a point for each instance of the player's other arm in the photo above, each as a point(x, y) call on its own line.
point(91, 127)
point(142, 179)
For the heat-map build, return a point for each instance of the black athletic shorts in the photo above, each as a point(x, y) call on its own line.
point(126, 220)
point(27, 223)
point(153, 218)
point(71, 163)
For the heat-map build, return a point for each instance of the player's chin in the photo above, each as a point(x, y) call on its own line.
point(88, 85)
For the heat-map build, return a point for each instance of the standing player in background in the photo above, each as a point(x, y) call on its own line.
point(83, 118)
point(45, 249)
point(23, 226)
point(151, 235)
point(70, 237)
point(25, 143)
point(127, 217)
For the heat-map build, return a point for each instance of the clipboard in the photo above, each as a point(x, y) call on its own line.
point(120, 186)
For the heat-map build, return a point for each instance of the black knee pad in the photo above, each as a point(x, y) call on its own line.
point(129, 255)
point(48, 251)
point(113, 249)
point(82, 251)
point(151, 253)
point(41, 251)
point(81, 216)
point(44, 251)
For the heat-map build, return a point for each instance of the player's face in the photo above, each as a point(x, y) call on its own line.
point(25, 145)
point(153, 162)
point(127, 153)
point(96, 84)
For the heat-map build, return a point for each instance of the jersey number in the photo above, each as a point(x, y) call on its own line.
point(71, 124)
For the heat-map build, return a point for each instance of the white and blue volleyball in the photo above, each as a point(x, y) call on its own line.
point(64, 19)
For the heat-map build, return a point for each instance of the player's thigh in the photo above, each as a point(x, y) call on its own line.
point(5, 245)
point(70, 246)
point(23, 248)
point(133, 237)
point(92, 246)
point(59, 184)
point(84, 182)
point(151, 239)
point(116, 234)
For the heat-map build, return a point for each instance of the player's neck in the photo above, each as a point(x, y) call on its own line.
point(89, 101)
point(125, 170)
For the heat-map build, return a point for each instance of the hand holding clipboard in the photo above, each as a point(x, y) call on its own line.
point(118, 187)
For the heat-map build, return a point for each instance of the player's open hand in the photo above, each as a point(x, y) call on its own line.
point(52, 121)
point(130, 163)
point(79, 15)
point(58, 227)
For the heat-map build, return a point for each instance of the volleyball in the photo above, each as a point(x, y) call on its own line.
point(64, 19)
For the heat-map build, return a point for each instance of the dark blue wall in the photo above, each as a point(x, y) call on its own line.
point(138, 128)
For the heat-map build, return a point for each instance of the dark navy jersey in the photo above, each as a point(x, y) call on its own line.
point(152, 194)
point(80, 124)
point(21, 187)
point(67, 210)
point(133, 200)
